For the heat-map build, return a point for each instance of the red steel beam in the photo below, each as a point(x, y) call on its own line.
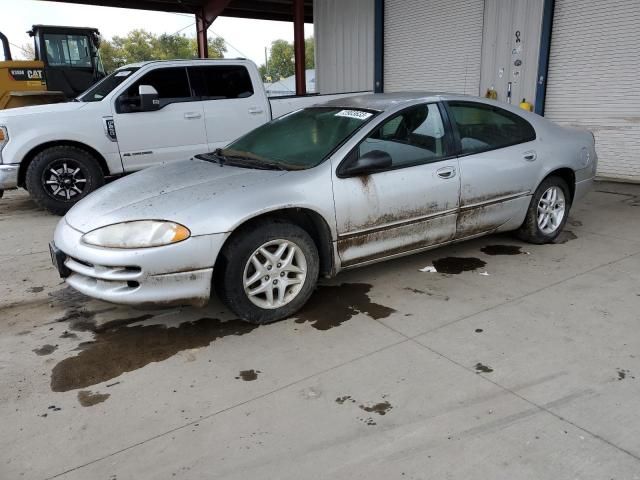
point(204, 18)
point(298, 46)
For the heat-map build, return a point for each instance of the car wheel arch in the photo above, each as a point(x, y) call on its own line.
point(309, 220)
point(31, 155)
point(567, 174)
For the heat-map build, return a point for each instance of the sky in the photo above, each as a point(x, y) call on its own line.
point(245, 38)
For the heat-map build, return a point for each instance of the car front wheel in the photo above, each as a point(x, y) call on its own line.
point(547, 213)
point(60, 176)
point(267, 273)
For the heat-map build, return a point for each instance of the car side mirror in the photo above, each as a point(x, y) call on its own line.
point(149, 100)
point(370, 162)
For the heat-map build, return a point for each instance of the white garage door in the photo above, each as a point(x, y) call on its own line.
point(433, 45)
point(594, 78)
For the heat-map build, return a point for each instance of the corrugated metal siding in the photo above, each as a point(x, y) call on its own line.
point(594, 78)
point(433, 45)
point(344, 45)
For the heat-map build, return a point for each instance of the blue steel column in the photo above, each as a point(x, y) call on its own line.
point(543, 59)
point(378, 47)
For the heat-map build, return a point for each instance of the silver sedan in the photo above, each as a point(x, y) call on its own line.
point(336, 186)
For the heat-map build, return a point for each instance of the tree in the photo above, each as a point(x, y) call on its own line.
point(281, 62)
point(140, 45)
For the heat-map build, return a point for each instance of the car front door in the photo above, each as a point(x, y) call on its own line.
point(175, 131)
point(498, 166)
point(410, 205)
point(231, 106)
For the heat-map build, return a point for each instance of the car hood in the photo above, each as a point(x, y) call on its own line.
point(51, 108)
point(188, 192)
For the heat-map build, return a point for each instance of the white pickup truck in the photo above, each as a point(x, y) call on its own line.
point(139, 116)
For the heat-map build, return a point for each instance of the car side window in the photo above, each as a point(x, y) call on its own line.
point(171, 84)
point(414, 136)
point(220, 82)
point(486, 127)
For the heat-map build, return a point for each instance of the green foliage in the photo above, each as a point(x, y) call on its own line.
point(281, 59)
point(140, 45)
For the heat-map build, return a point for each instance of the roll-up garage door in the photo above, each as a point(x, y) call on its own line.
point(594, 78)
point(433, 45)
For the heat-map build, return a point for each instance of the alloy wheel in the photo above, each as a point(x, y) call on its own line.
point(64, 179)
point(274, 274)
point(551, 210)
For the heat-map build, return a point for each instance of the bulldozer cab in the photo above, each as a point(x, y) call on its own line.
point(70, 57)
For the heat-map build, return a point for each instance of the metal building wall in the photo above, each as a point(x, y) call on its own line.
point(433, 45)
point(594, 78)
point(501, 49)
point(343, 31)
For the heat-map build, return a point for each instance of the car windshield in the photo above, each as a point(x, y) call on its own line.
point(299, 140)
point(106, 85)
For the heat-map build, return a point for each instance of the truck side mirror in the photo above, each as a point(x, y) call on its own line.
point(149, 100)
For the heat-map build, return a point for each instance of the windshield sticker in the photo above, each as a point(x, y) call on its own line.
point(357, 114)
point(123, 73)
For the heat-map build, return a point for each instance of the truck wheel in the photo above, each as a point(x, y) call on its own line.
point(548, 212)
point(268, 272)
point(59, 177)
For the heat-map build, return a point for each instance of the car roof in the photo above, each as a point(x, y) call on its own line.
point(382, 102)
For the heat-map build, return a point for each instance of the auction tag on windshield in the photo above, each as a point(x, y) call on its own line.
point(124, 73)
point(357, 114)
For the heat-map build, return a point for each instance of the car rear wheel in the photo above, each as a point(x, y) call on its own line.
point(548, 212)
point(267, 273)
point(59, 177)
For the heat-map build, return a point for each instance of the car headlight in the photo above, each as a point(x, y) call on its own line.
point(137, 234)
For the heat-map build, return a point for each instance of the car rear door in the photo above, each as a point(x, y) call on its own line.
point(232, 106)
point(410, 206)
point(174, 132)
point(499, 166)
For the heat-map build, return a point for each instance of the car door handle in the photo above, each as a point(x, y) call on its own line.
point(255, 110)
point(192, 115)
point(446, 172)
point(529, 156)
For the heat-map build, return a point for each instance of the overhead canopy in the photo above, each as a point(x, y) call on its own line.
point(281, 10)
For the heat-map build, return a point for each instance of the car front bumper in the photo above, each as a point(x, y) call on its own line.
point(177, 274)
point(8, 176)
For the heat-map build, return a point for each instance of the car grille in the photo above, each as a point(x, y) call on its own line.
point(125, 277)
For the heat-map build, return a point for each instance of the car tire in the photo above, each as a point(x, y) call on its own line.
point(77, 174)
point(548, 212)
point(242, 260)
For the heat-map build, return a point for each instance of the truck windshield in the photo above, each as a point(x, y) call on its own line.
point(106, 85)
point(299, 140)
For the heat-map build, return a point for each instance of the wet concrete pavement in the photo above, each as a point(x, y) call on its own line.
point(510, 361)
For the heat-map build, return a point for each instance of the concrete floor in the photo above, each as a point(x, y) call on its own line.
point(529, 372)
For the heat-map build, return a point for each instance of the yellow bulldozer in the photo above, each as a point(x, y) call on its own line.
point(67, 63)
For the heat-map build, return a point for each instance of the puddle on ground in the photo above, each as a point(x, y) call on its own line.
point(45, 350)
point(455, 265)
point(117, 349)
point(565, 236)
point(345, 398)
point(248, 375)
point(480, 368)
point(380, 408)
point(88, 399)
point(332, 305)
point(502, 250)
point(35, 289)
